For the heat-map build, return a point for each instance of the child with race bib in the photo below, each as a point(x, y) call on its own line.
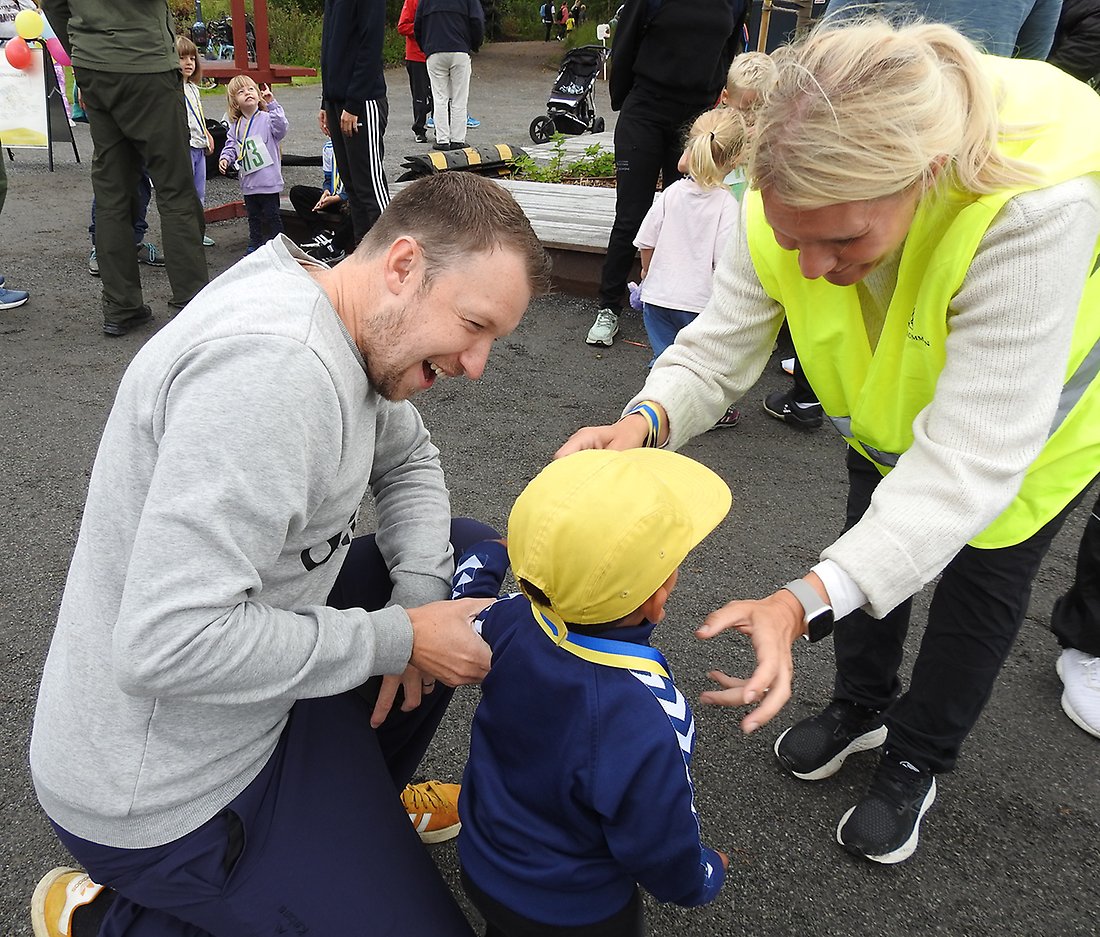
point(686, 230)
point(199, 139)
point(252, 145)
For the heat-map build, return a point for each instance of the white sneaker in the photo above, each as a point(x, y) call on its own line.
point(604, 329)
point(1080, 673)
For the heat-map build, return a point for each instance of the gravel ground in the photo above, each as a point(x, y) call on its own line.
point(1008, 849)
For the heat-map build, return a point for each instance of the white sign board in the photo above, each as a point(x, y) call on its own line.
point(23, 103)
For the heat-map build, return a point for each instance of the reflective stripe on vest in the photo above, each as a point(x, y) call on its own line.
point(873, 396)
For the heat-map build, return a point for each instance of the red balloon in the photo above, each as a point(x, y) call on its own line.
point(18, 53)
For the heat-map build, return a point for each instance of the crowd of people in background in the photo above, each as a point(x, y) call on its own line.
point(277, 687)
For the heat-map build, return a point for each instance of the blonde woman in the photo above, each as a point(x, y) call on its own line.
point(928, 217)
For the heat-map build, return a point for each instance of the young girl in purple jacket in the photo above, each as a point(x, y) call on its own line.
point(252, 145)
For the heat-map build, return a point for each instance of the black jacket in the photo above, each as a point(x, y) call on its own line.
point(351, 53)
point(680, 49)
point(449, 25)
point(1077, 42)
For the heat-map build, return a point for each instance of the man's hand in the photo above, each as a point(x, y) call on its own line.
point(772, 624)
point(326, 199)
point(445, 645)
point(416, 686)
point(349, 124)
point(322, 121)
point(629, 433)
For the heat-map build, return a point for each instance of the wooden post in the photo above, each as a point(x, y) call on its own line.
point(765, 22)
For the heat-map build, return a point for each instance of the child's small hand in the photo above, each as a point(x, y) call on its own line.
point(265, 93)
point(209, 143)
point(223, 165)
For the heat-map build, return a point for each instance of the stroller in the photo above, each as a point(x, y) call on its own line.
point(570, 108)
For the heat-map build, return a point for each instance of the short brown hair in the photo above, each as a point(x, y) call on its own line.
point(454, 214)
point(185, 46)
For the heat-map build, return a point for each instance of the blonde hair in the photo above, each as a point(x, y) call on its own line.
point(863, 109)
point(750, 71)
point(185, 47)
point(715, 145)
point(235, 84)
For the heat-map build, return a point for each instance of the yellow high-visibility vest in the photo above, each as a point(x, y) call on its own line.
point(873, 396)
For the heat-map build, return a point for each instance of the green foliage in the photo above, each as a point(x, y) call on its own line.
point(295, 35)
point(596, 163)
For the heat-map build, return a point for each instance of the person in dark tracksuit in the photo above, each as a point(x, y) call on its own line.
point(354, 108)
point(668, 63)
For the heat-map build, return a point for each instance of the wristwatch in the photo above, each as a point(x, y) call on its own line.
point(817, 614)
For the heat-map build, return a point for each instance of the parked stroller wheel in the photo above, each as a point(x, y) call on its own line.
point(598, 126)
point(542, 129)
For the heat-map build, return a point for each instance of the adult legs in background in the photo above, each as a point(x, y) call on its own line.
point(460, 94)
point(138, 119)
point(648, 145)
point(359, 159)
point(439, 74)
point(421, 89)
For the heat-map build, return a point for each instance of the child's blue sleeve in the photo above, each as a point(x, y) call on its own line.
point(480, 571)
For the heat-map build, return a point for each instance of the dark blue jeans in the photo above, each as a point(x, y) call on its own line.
point(977, 609)
point(264, 220)
point(318, 843)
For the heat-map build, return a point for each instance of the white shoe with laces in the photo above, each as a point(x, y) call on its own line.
point(604, 329)
point(1080, 674)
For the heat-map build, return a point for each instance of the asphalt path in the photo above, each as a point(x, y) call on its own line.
point(1009, 848)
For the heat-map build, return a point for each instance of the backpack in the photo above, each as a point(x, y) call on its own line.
point(545, 12)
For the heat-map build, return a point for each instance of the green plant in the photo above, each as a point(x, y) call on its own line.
point(596, 163)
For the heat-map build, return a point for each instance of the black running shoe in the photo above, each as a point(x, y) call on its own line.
point(815, 748)
point(885, 825)
point(781, 405)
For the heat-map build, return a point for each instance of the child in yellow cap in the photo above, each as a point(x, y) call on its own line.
point(578, 785)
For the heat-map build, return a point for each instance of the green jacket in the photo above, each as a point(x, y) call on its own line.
point(131, 36)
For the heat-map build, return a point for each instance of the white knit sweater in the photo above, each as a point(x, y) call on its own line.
point(1010, 330)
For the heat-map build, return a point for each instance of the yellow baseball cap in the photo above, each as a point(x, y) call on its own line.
point(600, 530)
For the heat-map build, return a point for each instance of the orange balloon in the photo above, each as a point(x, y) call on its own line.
point(18, 53)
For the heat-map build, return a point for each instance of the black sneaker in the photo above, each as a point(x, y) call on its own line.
point(781, 405)
point(116, 329)
point(885, 825)
point(815, 748)
point(322, 248)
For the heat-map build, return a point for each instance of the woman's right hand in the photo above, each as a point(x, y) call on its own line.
point(629, 433)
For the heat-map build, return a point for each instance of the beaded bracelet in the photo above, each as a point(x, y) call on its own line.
point(648, 409)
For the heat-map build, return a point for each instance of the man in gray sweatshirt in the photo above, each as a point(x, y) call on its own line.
point(214, 738)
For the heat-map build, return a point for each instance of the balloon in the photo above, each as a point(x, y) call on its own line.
point(57, 50)
point(18, 53)
point(29, 23)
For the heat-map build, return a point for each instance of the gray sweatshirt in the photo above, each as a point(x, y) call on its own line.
point(224, 495)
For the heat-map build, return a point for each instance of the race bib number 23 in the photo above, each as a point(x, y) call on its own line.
point(254, 155)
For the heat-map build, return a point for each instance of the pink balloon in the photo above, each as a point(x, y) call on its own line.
point(57, 50)
point(18, 53)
